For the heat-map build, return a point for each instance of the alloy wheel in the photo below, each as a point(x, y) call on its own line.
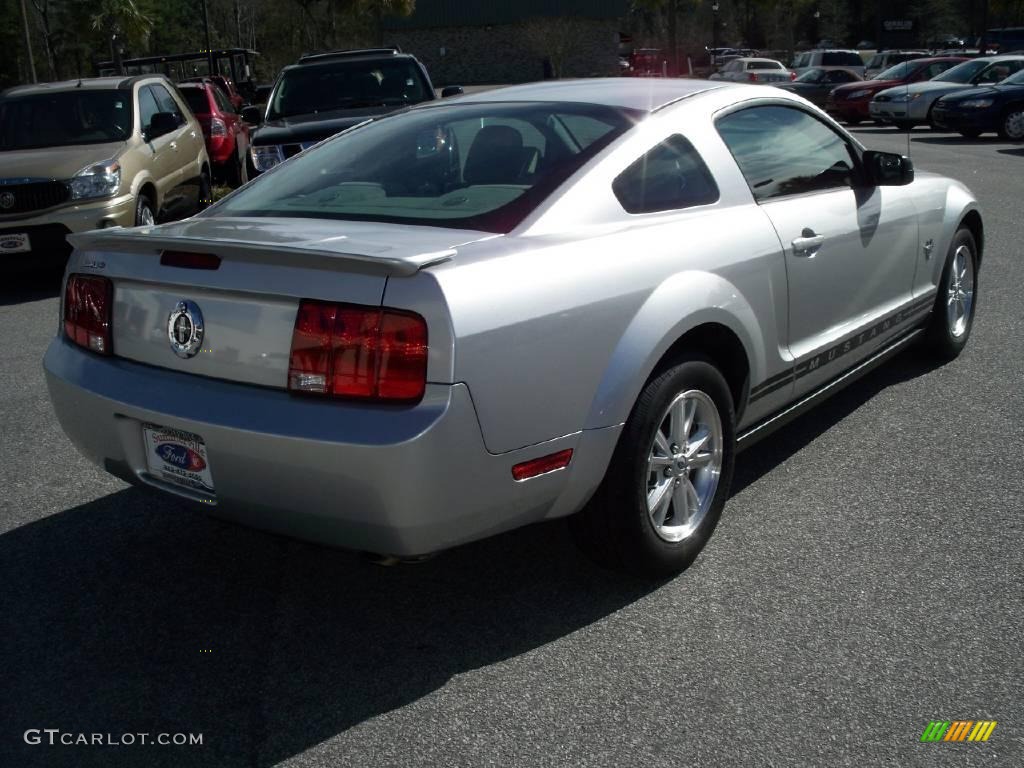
point(684, 465)
point(960, 291)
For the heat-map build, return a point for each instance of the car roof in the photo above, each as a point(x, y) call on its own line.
point(91, 83)
point(328, 59)
point(758, 58)
point(638, 93)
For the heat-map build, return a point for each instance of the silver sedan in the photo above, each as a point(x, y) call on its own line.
point(572, 299)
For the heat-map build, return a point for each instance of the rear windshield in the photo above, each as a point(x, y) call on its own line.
point(347, 85)
point(841, 59)
point(763, 65)
point(473, 166)
point(65, 118)
point(197, 100)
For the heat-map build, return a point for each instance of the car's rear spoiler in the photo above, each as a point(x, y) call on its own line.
point(312, 255)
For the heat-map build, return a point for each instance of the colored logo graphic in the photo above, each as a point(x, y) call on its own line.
point(180, 456)
point(958, 730)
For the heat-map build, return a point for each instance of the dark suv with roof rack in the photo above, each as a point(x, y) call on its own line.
point(326, 93)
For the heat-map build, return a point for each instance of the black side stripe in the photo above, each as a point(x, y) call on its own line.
point(847, 345)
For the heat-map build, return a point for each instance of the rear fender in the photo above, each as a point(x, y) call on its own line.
point(680, 304)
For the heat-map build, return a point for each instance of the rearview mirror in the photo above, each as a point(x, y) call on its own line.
point(888, 169)
point(161, 124)
point(451, 90)
point(253, 115)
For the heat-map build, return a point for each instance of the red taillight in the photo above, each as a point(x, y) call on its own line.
point(361, 352)
point(752, 77)
point(88, 302)
point(792, 75)
point(188, 260)
point(540, 466)
point(218, 127)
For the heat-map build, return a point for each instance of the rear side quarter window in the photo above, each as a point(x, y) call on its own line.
point(671, 176)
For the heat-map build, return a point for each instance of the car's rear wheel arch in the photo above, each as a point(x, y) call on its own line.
point(722, 347)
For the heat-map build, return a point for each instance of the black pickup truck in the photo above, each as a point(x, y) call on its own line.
point(326, 93)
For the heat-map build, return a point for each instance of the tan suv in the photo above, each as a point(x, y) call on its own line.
point(103, 152)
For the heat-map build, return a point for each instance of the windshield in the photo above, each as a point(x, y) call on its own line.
point(899, 72)
point(811, 76)
point(472, 166)
point(1014, 79)
point(65, 118)
point(347, 85)
point(962, 73)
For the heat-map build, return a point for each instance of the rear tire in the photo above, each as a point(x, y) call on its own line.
point(236, 172)
point(666, 484)
point(956, 301)
point(1011, 127)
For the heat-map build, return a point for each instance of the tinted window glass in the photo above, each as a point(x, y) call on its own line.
point(147, 107)
point(478, 166)
point(65, 118)
point(840, 76)
point(937, 69)
point(165, 100)
point(1000, 71)
point(785, 151)
point(763, 65)
point(670, 176)
point(347, 85)
point(841, 59)
point(223, 102)
point(196, 100)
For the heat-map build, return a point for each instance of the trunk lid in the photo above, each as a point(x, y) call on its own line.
point(249, 302)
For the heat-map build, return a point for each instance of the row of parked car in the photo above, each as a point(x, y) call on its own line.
point(127, 151)
point(969, 95)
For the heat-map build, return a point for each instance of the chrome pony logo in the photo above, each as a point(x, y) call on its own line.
point(185, 329)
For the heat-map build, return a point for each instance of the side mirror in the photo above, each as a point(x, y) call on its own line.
point(161, 124)
point(253, 115)
point(451, 90)
point(888, 169)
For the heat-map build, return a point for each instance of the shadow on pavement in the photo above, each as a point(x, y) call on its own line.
point(131, 614)
point(1016, 152)
point(960, 141)
point(18, 288)
point(763, 457)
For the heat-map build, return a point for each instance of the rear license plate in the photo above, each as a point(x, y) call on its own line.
point(177, 457)
point(16, 242)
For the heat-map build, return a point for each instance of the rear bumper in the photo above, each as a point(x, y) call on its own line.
point(399, 480)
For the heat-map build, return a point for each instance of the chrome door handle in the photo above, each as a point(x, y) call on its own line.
point(174, 146)
point(808, 243)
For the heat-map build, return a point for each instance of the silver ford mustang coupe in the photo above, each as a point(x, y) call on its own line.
point(571, 299)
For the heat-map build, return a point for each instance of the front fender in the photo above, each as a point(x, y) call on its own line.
point(681, 303)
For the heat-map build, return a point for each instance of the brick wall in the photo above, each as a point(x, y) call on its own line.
point(513, 53)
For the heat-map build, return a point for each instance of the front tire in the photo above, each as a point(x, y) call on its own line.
point(667, 482)
point(145, 211)
point(956, 301)
point(1011, 128)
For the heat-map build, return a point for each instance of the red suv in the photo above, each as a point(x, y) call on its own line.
point(849, 102)
point(226, 134)
point(225, 84)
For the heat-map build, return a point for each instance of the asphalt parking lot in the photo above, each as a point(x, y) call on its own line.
point(866, 578)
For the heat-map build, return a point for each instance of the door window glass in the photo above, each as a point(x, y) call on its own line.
point(786, 151)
